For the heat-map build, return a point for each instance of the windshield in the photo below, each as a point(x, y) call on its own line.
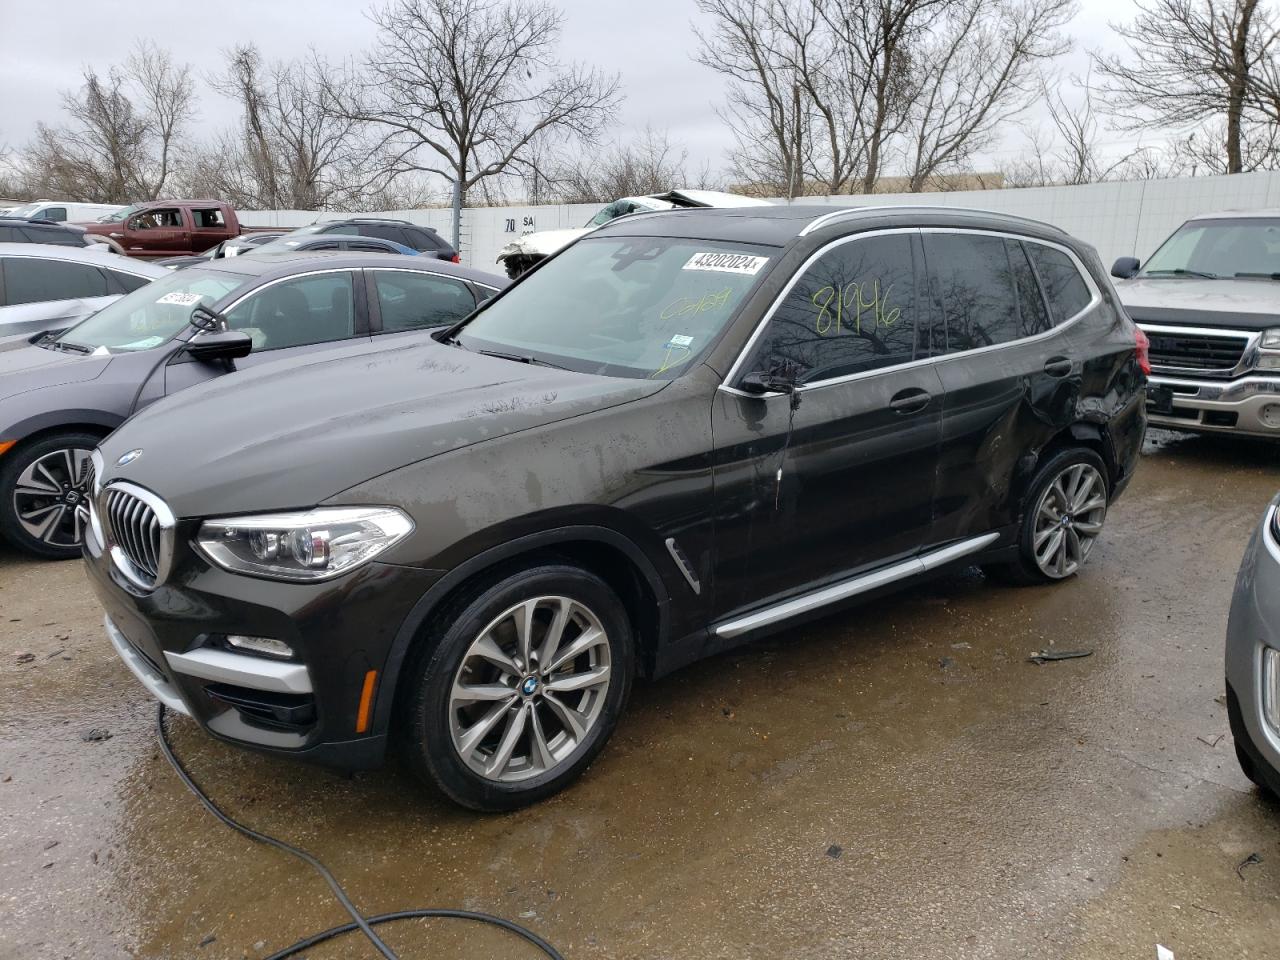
point(1244, 247)
point(119, 214)
point(26, 210)
point(623, 307)
point(620, 208)
point(153, 314)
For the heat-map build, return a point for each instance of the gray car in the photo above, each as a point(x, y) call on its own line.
point(1253, 656)
point(43, 287)
point(62, 392)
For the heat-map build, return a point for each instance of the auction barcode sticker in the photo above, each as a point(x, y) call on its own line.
point(181, 299)
point(726, 262)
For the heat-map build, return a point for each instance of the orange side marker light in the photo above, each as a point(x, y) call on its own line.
point(366, 701)
point(7, 445)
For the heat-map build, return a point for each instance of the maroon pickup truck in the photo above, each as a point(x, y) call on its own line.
point(168, 228)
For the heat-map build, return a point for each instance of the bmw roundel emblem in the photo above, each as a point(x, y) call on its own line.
point(530, 684)
point(129, 457)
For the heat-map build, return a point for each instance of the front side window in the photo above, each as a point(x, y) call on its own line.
point(58, 214)
point(854, 310)
point(1243, 247)
point(622, 306)
point(292, 313)
point(1064, 288)
point(152, 314)
point(33, 280)
point(972, 277)
point(415, 301)
point(166, 219)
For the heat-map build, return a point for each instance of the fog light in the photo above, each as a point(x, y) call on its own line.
point(1269, 362)
point(1271, 688)
point(264, 645)
point(1270, 414)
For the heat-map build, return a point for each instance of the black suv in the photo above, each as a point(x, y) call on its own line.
point(37, 230)
point(681, 431)
point(423, 239)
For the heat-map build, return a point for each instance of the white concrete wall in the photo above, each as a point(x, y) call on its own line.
point(1120, 219)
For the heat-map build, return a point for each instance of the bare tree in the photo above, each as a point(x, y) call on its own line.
point(648, 164)
point(979, 67)
point(464, 89)
point(1191, 62)
point(292, 148)
point(125, 127)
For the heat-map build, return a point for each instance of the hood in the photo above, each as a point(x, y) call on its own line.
point(542, 244)
point(297, 432)
point(1236, 304)
point(25, 367)
point(709, 198)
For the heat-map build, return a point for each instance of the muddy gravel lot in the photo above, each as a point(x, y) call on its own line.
point(893, 781)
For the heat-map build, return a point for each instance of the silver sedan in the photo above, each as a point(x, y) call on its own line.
point(1253, 656)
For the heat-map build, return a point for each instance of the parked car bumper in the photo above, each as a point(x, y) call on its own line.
point(308, 707)
point(1253, 653)
point(1248, 405)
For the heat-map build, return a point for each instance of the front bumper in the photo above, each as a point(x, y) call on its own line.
point(1252, 630)
point(1248, 405)
point(307, 707)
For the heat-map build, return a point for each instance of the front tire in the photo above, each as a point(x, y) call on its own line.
point(44, 491)
point(523, 688)
point(1061, 519)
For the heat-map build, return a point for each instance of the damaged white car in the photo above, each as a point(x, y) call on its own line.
point(519, 255)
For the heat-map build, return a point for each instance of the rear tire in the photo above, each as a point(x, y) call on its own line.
point(1060, 520)
point(524, 684)
point(44, 490)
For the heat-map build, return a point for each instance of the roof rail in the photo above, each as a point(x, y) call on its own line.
point(821, 221)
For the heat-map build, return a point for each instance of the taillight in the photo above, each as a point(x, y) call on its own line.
point(455, 259)
point(1144, 350)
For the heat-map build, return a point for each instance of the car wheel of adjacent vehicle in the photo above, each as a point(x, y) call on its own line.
point(44, 491)
point(522, 689)
point(1062, 516)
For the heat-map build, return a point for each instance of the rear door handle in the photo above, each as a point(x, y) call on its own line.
point(1058, 366)
point(911, 400)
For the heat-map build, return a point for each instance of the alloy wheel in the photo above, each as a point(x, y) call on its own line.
point(51, 497)
point(1069, 517)
point(530, 689)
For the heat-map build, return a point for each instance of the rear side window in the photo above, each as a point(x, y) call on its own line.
point(1034, 316)
point(421, 239)
point(1064, 288)
point(208, 218)
point(126, 282)
point(852, 311)
point(972, 279)
point(64, 238)
point(33, 280)
point(415, 301)
point(384, 231)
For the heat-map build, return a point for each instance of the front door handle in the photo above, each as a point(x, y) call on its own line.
point(911, 400)
point(1058, 366)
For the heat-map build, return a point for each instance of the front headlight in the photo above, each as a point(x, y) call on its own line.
point(306, 546)
point(1271, 339)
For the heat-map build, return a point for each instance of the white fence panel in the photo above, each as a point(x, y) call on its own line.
point(1120, 219)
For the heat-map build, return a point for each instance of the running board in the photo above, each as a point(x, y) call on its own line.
point(851, 588)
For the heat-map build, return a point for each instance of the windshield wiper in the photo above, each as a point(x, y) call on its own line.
point(1180, 272)
point(1264, 276)
point(67, 346)
point(522, 358)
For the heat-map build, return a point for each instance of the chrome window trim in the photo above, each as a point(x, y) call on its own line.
point(1095, 298)
point(443, 276)
point(42, 255)
point(863, 583)
point(1248, 357)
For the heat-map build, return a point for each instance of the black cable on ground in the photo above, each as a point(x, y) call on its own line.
point(359, 922)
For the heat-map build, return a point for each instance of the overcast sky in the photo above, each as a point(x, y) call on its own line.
point(650, 43)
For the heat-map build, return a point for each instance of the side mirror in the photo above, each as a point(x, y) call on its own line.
point(224, 345)
point(1125, 268)
point(759, 383)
